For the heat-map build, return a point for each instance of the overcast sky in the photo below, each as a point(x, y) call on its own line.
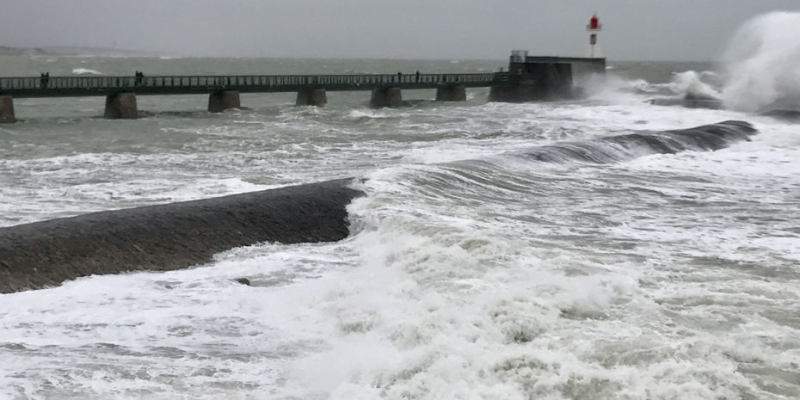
point(442, 29)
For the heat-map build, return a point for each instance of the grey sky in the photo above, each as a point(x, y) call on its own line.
point(448, 29)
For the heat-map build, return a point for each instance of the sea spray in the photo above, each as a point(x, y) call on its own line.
point(690, 83)
point(618, 89)
point(764, 64)
point(85, 71)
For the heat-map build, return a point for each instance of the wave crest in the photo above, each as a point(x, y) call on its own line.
point(86, 71)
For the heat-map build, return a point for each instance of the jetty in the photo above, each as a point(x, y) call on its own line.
point(526, 79)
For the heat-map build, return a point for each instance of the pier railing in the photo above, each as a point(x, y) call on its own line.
point(177, 84)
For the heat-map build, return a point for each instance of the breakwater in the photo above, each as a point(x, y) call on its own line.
point(170, 236)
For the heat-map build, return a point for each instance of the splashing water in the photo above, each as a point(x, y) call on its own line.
point(85, 71)
point(764, 64)
point(690, 83)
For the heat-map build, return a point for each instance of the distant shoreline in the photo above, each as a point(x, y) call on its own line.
point(16, 51)
point(107, 52)
point(72, 51)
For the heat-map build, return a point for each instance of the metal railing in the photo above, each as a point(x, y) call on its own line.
point(247, 81)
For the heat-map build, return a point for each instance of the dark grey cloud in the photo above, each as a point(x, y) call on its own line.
point(448, 29)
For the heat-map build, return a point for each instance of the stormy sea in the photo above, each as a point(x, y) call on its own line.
point(575, 249)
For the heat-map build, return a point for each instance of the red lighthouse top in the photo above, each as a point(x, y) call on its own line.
point(594, 23)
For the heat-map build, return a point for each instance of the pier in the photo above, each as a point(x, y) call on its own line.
point(527, 79)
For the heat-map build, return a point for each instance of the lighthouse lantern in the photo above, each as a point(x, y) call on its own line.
point(594, 23)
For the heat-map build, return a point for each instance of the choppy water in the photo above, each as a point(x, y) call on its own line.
point(471, 273)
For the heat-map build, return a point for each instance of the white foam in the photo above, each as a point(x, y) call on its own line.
point(70, 185)
point(691, 83)
point(371, 114)
point(618, 90)
point(447, 304)
point(661, 277)
point(85, 71)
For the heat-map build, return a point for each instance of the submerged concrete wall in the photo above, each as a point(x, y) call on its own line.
point(312, 97)
point(121, 106)
point(170, 236)
point(386, 97)
point(7, 115)
point(223, 100)
point(691, 100)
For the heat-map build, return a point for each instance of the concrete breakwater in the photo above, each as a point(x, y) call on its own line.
point(170, 236)
point(180, 235)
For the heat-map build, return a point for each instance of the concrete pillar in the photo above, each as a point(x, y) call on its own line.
point(223, 100)
point(121, 106)
point(386, 97)
point(451, 93)
point(534, 82)
point(312, 97)
point(520, 92)
point(7, 110)
point(555, 81)
point(504, 94)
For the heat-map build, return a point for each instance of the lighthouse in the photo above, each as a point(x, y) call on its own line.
point(594, 28)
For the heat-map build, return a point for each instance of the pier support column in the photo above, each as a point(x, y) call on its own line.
point(451, 93)
point(223, 100)
point(386, 97)
point(7, 115)
point(121, 106)
point(312, 97)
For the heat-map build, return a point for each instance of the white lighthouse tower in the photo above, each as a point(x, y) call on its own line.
point(594, 29)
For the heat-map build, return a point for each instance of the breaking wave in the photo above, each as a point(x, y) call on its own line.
point(763, 59)
point(617, 148)
point(85, 71)
point(682, 84)
point(315, 213)
point(691, 83)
